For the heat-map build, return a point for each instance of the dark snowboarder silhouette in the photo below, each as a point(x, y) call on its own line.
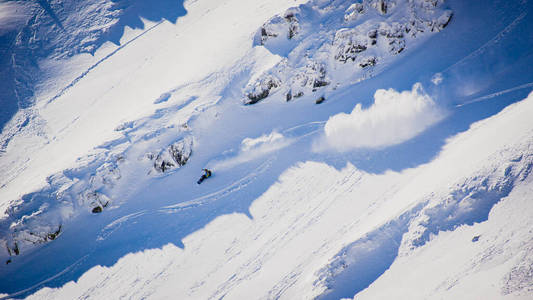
point(206, 175)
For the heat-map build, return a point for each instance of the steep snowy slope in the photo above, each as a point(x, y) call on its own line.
point(335, 133)
point(282, 251)
point(67, 120)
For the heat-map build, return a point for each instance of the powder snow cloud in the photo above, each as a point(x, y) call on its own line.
point(393, 118)
point(252, 148)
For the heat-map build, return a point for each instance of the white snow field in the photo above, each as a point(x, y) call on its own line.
point(366, 149)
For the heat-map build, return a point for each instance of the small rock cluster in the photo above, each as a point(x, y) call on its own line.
point(174, 156)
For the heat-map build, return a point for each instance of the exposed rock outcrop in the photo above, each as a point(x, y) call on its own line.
point(174, 156)
point(371, 32)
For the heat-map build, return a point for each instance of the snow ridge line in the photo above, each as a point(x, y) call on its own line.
point(73, 82)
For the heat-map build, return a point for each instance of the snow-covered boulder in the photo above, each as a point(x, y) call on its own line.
point(279, 28)
point(350, 42)
point(174, 156)
point(353, 12)
point(261, 89)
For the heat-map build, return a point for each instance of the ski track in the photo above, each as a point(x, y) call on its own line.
point(113, 226)
point(489, 43)
point(237, 185)
point(10, 296)
point(82, 75)
point(497, 94)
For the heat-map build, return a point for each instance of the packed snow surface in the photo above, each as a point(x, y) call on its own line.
point(368, 149)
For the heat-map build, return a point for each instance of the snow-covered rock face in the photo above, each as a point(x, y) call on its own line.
point(353, 39)
point(38, 217)
point(175, 156)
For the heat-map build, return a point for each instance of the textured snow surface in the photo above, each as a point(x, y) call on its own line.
point(314, 210)
point(376, 148)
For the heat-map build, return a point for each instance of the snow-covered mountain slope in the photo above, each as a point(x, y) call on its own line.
point(344, 138)
point(37, 34)
point(320, 228)
point(69, 124)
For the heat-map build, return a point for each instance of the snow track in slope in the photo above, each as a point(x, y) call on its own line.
point(82, 75)
point(233, 187)
point(497, 94)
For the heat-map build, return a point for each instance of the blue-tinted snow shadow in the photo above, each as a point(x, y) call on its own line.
point(496, 62)
point(358, 264)
point(152, 10)
point(498, 65)
point(78, 249)
point(19, 70)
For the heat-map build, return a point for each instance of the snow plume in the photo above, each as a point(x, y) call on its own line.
point(394, 117)
point(252, 148)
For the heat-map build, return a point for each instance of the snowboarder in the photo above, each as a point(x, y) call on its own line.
point(206, 175)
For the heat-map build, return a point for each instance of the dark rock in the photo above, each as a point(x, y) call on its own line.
point(368, 62)
point(320, 100)
point(261, 90)
point(293, 22)
point(289, 16)
point(16, 249)
point(288, 97)
point(293, 30)
point(381, 6)
point(353, 12)
point(176, 155)
point(54, 235)
point(278, 26)
point(265, 35)
point(8, 261)
point(162, 165)
point(350, 44)
point(319, 83)
point(298, 95)
point(97, 210)
point(443, 25)
point(396, 46)
point(442, 21)
point(180, 157)
point(254, 98)
point(476, 238)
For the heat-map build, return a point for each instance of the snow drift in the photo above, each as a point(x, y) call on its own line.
point(395, 117)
